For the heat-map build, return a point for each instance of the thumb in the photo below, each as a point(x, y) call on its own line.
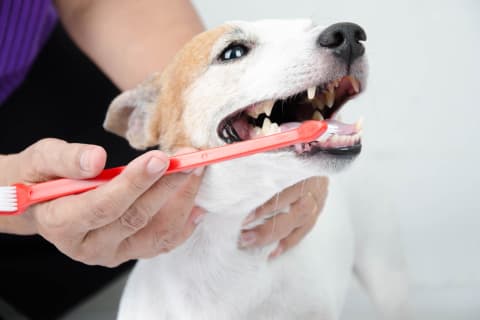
point(53, 158)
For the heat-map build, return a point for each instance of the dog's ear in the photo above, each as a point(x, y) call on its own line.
point(128, 114)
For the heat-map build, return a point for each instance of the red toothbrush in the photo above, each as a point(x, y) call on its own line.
point(16, 198)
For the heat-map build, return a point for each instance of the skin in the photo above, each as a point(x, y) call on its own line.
point(140, 213)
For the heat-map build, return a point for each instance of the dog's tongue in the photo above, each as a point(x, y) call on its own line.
point(242, 128)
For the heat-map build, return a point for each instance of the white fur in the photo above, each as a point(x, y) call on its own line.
point(208, 277)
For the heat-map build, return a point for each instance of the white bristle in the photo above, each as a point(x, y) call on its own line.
point(8, 199)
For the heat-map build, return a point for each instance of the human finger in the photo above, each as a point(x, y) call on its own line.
point(78, 214)
point(143, 210)
point(316, 185)
point(52, 158)
point(280, 225)
point(170, 226)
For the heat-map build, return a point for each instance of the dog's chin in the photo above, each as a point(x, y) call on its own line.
point(326, 162)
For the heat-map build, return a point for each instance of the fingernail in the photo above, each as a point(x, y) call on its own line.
point(247, 239)
point(250, 218)
point(156, 165)
point(85, 163)
point(276, 253)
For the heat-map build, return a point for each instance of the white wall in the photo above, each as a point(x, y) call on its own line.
point(421, 152)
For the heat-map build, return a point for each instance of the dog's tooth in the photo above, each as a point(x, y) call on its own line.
point(317, 115)
point(268, 106)
point(266, 125)
point(359, 125)
point(311, 92)
point(354, 83)
point(329, 98)
point(274, 128)
point(333, 141)
point(254, 112)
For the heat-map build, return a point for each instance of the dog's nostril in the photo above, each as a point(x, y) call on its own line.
point(344, 40)
point(335, 41)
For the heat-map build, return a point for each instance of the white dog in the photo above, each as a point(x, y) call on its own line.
point(235, 82)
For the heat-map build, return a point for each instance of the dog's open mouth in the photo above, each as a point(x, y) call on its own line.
point(316, 103)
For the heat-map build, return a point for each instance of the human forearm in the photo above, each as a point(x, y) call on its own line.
point(128, 39)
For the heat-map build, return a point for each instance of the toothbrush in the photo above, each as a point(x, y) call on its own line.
point(16, 198)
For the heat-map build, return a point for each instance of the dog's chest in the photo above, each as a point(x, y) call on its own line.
point(210, 278)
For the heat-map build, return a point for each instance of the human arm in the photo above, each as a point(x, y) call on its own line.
point(129, 40)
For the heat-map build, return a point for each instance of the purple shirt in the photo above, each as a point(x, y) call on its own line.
point(24, 27)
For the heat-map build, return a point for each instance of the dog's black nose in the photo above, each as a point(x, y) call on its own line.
point(344, 40)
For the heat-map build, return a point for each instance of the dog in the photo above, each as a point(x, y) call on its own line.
point(236, 82)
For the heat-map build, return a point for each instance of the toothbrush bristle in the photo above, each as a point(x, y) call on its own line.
point(8, 199)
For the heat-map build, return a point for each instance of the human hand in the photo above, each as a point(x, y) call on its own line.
point(305, 199)
point(137, 214)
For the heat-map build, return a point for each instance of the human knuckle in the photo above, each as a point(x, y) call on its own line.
point(265, 233)
point(36, 158)
point(112, 263)
point(135, 184)
point(164, 241)
point(304, 208)
point(136, 217)
point(48, 216)
point(102, 208)
point(84, 254)
point(189, 192)
point(168, 184)
point(91, 254)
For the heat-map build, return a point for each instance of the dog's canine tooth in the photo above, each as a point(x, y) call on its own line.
point(311, 92)
point(359, 125)
point(329, 98)
point(260, 108)
point(268, 106)
point(266, 125)
point(255, 111)
point(317, 116)
point(354, 83)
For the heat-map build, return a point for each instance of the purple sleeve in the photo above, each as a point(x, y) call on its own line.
point(24, 27)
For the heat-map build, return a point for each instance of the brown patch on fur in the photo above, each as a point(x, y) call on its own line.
point(166, 125)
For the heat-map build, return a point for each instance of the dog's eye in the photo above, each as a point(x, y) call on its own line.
point(233, 51)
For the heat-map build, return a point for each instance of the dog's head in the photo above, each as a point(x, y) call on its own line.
point(248, 79)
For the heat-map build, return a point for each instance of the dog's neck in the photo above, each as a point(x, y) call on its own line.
point(235, 188)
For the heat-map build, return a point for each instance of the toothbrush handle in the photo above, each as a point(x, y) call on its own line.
point(308, 131)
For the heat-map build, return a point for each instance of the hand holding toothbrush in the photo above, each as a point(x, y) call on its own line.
point(137, 214)
point(118, 222)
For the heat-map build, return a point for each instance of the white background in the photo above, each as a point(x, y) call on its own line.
point(421, 153)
